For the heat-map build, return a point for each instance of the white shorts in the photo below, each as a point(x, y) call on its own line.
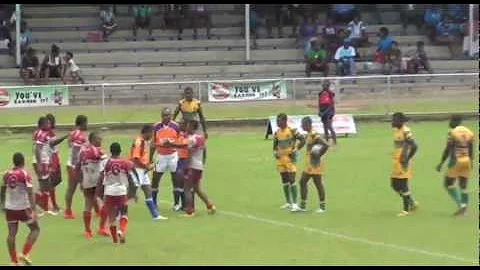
point(164, 162)
point(142, 178)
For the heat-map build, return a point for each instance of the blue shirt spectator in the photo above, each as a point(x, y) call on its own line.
point(432, 16)
point(308, 30)
point(447, 28)
point(458, 12)
point(385, 42)
point(343, 8)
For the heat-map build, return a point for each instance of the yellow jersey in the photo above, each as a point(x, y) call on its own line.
point(400, 136)
point(189, 109)
point(286, 139)
point(461, 137)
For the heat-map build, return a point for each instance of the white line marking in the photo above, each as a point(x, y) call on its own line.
point(341, 236)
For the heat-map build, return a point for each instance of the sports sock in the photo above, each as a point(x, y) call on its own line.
point(286, 192)
point(123, 224)
point(113, 232)
point(322, 205)
point(464, 198)
point(27, 247)
point(154, 196)
point(406, 202)
point(293, 188)
point(151, 207)
point(87, 219)
point(176, 196)
point(13, 254)
point(182, 196)
point(303, 204)
point(454, 193)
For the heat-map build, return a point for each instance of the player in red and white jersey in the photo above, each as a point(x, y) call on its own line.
point(196, 160)
point(88, 172)
point(43, 143)
point(118, 186)
point(77, 140)
point(18, 202)
point(55, 168)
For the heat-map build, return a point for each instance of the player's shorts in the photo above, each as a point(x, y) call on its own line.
point(112, 202)
point(459, 168)
point(194, 174)
point(314, 169)
point(286, 165)
point(44, 171)
point(141, 178)
point(399, 173)
point(166, 162)
point(14, 216)
point(89, 182)
point(55, 170)
point(182, 165)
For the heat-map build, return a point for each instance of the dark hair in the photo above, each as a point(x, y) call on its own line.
point(307, 119)
point(70, 54)
point(394, 42)
point(456, 118)
point(115, 149)
point(147, 129)
point(80, 120)
point(401, 117)
point(42, 120)
point(384, 30)
point(188, 88)
point(420, 43)
point(282, 116)
point(18, 159)
point(55, 48)
point(51, 118)
point(92, 135)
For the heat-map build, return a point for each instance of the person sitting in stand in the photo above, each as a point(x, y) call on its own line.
point(52, 64)
point(108, 20)
point(316, 59)
point(345, 60)
point(29, 70)
point(393, 60)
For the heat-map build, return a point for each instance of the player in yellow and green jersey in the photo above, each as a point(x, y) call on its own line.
point(459, 149)
point(191, 109)
point(314, 165)
point(405, 148)
point(285, 153)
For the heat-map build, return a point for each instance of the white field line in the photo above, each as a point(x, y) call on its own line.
point(344, 237)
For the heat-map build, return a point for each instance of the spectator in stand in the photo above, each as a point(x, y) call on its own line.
point(393, 60)
point(448, 33)
point(309, 29)
point(5, 38)
point(29, 70)
point(316, 59)
point(175, 17)
point(142, 17)
point(418, 60)
point(342, 13)
point(52, 64)
point(432, 17)
point(109, 24)
point(358, 35)
point(282, 16)
point(264, 16)
point(411, 14)
point(458, 12)
point(345, 60)
point(296, 14)
point(25, 38)
point(200, 17)
point(383, 45)
point(330, 37)
point(6, 11)
point(75, 72)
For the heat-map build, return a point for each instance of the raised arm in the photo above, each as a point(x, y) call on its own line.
point(176, 112)
point(202, 121)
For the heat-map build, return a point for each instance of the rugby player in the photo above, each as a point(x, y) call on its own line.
point(405, 148)
point(191, 109)
point(314, 165)
point(459, 150)
point(140, 156)
point(18, 202)
point(285, 153)
point(326, 111)
point(55, 168)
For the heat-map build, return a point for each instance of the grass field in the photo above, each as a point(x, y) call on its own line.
point(360, 226)
point(150, 113)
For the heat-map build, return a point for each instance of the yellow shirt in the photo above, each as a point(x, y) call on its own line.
point(286, 140)
point(189, 109)
point(461, 138)
point(400, 136)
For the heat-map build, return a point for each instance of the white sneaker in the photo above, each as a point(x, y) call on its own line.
point(286, 206)
point(159, 217)
point(295, 208)
point(177, 207)
point(53, 213)
point(320, 210)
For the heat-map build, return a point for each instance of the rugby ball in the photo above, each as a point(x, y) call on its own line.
point(316, 149)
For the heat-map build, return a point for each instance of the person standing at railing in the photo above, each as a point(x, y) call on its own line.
point(326, 111)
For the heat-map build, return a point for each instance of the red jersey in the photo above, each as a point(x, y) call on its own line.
point(163, 132)
point(325, 98)
point(17, 181)
point(75, 142)
point(115, 176)
point(41, 139)
point(91, 161)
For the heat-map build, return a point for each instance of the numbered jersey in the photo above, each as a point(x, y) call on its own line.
point(461, 137)
point(92, 161)
point(116, 175)
point(41, 139)
point(17, 182)
point(75, 143)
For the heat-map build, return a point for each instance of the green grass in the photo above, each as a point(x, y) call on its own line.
point(148, 113)
point(241, 178)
